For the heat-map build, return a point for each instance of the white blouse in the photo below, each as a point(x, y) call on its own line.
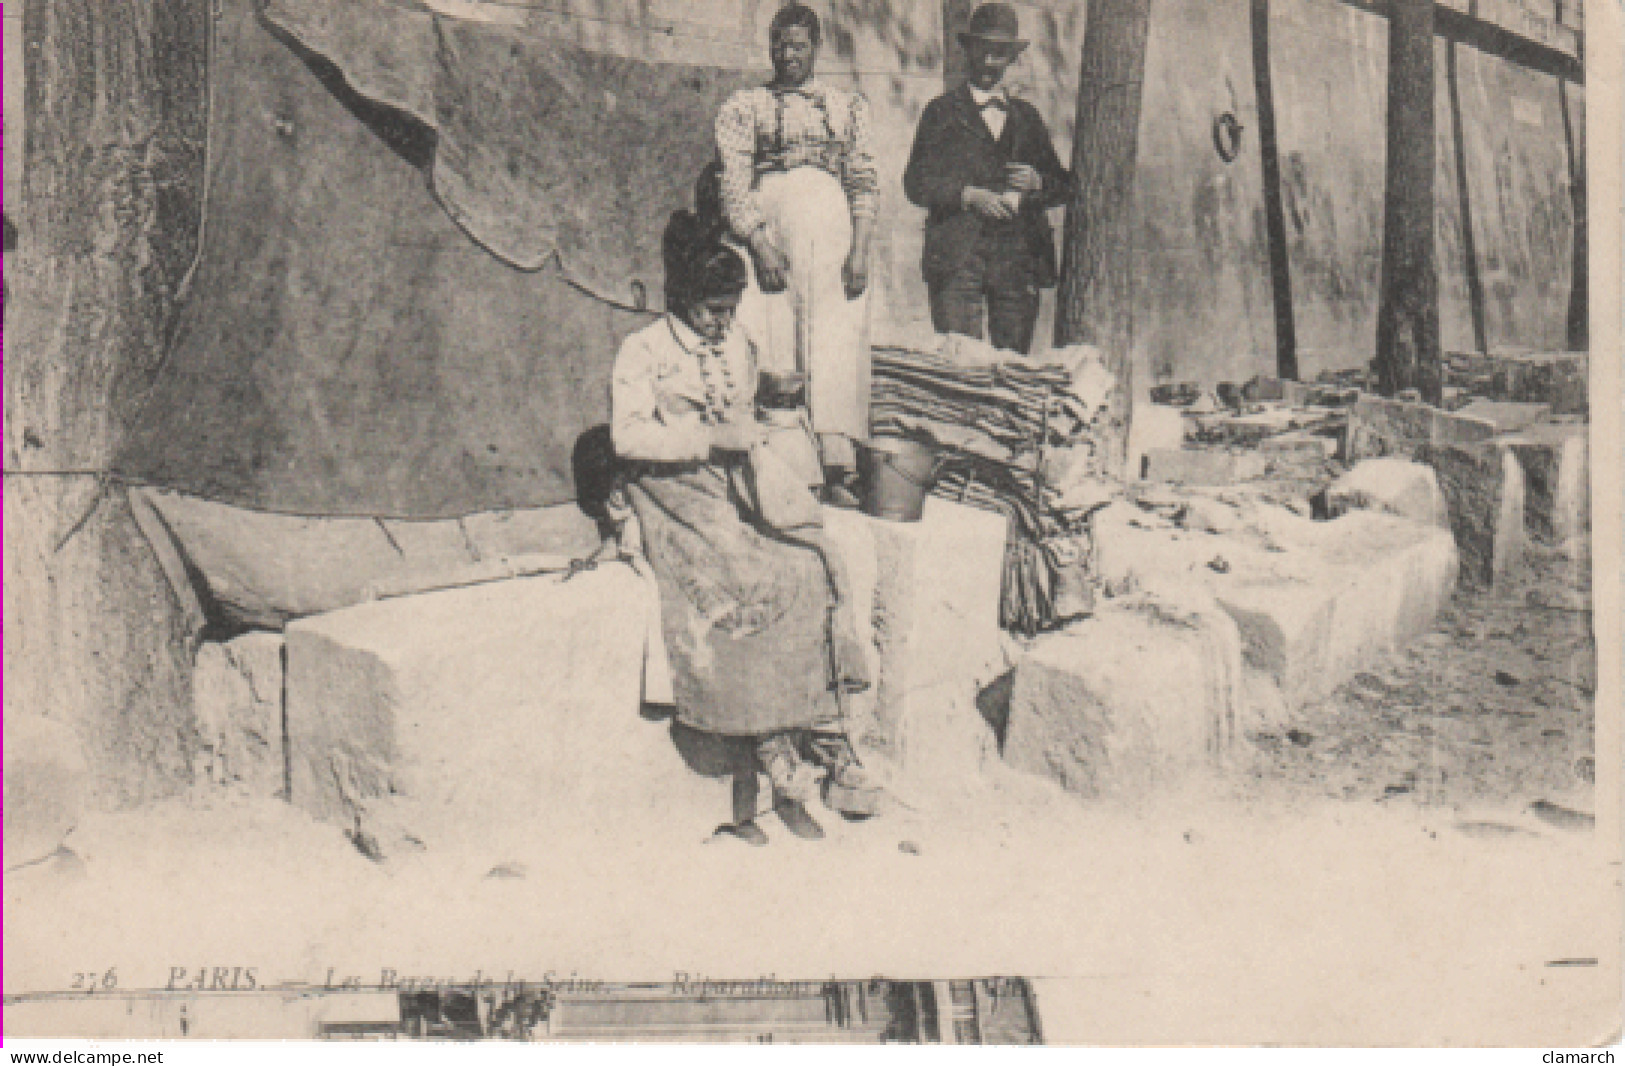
point(670, 387)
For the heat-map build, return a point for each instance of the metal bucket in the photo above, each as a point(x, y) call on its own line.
point(897, 475)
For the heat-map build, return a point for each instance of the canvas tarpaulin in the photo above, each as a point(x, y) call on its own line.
point(346, 346)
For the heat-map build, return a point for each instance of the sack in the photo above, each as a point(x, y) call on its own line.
point(791, 439)
point(778, 495)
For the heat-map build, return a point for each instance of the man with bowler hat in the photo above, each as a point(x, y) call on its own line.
point(984, 167)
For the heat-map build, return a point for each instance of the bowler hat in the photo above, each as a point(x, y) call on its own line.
point(994, 24)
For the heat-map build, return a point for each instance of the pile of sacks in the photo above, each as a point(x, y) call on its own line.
point(1019, 437)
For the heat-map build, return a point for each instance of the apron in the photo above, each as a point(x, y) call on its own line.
point(811, 326)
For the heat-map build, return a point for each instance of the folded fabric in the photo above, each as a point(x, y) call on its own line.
point(1015, 439)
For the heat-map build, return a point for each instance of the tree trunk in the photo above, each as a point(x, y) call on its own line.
point(1096, 300)
point(1408, 319)
point(955, 20)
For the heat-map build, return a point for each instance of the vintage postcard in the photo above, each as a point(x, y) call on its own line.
point(1080, 522)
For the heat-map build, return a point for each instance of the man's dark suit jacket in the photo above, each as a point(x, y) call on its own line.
point(954, 148)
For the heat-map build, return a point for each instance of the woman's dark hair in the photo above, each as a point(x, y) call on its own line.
point(698, 264)
point(801, 15)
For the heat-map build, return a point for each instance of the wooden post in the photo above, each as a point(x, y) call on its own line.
point(1096, 299)
point(1579, 319)
point(1464, 204)
point(1286, 335)
point(1408, 318)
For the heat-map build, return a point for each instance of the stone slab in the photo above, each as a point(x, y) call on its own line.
point(1483, 486)
point(237, 704)
point(1389, 581)
point(1390, 486)
point(1313, 601)
point(1207, 467)
point(1505, 416)
point(1381, 427)
point(47, 781)
point(1560, 380)
point(1141, 695)
point(490, 711)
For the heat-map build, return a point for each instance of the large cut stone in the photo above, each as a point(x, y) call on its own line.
point(927, 594)
point(1379, 582)
point(1140, 695)
point(1555, 460)
point(1380, 427)
point(1201, 467)
point(1391, 486)
point(1507, 416)
point(1483, 486)
point(47, 781)
point(237, 704)
point(1314, 601)
point(1559, 379)
point(489, 710)
point(1155, 427)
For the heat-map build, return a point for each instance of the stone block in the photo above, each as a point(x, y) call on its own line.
point(1176, 394)
point(1297, 393)
point(1380, 581)
point(237, 704)
point(1154, 428)
point(1211, 467)
point(47, 781)
point(1505, 416)
point(1556, 466)
point(1483, 487)
point(1390, 486)
point(1380, 427)
point(488, 713)
point(1313, 601)
point(1138, 696)
point(927, 594)
point(1257, 426)
point(1559, 380)
point(1301, 454)
point(1263, 389)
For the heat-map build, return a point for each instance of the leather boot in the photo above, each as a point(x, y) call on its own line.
point(792, 777)
point(793, 780)
point(745, 794)
point(848, 788)
point(793, 813)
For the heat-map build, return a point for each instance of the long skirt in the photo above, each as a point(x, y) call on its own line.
point(812, 326)
point(746, 616)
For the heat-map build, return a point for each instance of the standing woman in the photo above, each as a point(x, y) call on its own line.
point(799, 190)
point(746, 614)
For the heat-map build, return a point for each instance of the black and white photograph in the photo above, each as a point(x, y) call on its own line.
point(1071, 522)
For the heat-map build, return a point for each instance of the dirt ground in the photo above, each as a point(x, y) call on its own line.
point(1334, 887)
point(1493, 707)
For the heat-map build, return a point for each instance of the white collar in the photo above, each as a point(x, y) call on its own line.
point(810, 88)
point(983, 96)
point(685, 335)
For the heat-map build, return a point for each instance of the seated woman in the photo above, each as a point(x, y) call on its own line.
point(748, 613)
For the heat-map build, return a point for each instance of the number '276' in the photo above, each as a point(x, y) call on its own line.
point(91, 981)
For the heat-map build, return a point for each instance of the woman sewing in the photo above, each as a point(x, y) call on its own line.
point(799, 190)
point(747, 610)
